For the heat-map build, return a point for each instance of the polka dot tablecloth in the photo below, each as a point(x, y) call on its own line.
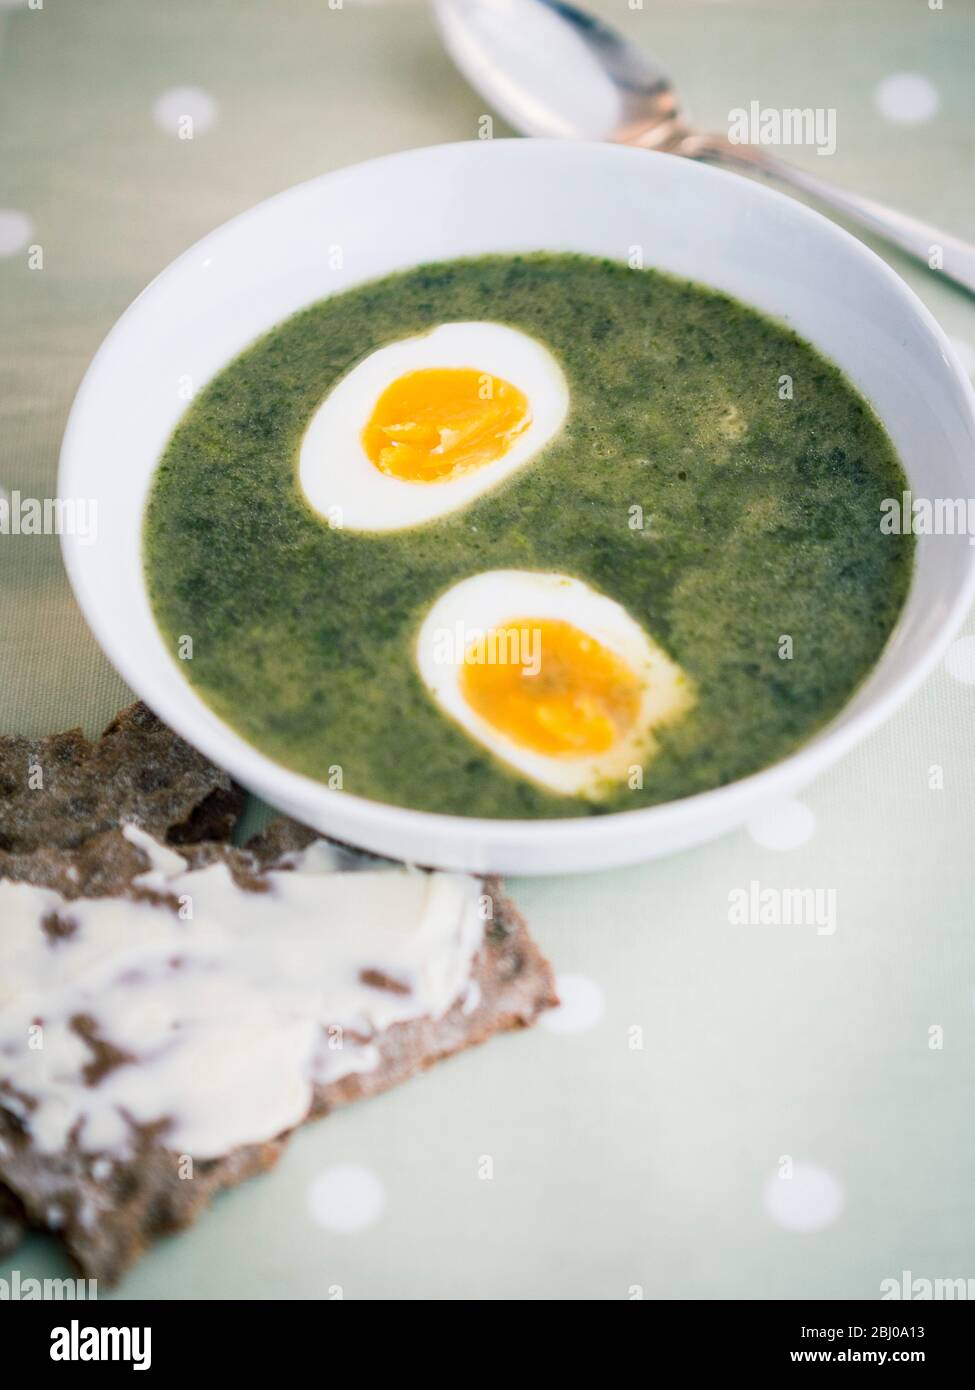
point(717, 1109)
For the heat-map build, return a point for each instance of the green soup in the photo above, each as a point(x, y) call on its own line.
point(714, 475)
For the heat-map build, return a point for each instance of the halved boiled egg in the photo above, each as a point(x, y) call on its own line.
point(427, 424)
point(552, 677)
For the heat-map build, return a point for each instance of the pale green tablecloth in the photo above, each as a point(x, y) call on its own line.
point(614, 1167)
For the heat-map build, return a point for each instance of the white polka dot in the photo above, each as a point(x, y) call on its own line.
point(810, 1200)
point(965, 353)
point(785, 825)
point(173, 107)
point(960, 660)
point(346, 1197)
point(906, 98)
point(15, 230)
point(581, 1007)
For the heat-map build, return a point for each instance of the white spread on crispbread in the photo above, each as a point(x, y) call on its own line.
point(215, 1010)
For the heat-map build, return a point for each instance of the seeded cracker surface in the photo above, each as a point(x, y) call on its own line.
point(57, 792)
point(65, 835)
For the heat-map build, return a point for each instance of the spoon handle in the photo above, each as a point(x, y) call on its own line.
point(938, 250)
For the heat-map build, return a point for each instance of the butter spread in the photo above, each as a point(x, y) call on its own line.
point(218, 1008)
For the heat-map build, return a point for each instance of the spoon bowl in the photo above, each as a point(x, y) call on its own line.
point(555, 72)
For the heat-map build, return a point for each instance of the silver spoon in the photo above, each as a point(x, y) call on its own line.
point(553, 70)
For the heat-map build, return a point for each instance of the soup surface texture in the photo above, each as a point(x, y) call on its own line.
point(714, 475)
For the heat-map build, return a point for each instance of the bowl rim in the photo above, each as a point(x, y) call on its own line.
point(229, 749)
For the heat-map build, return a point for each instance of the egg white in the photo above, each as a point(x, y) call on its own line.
point(495, 598)
point(342, 483)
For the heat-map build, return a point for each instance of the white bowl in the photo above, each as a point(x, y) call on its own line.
point(510, 196)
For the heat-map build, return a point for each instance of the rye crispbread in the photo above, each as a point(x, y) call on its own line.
point(107, 1213)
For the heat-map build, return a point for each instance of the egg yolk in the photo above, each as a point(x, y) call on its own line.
point(443, 421)
point(550, 687)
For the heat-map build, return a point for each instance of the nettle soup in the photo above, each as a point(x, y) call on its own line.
point(527, 536)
